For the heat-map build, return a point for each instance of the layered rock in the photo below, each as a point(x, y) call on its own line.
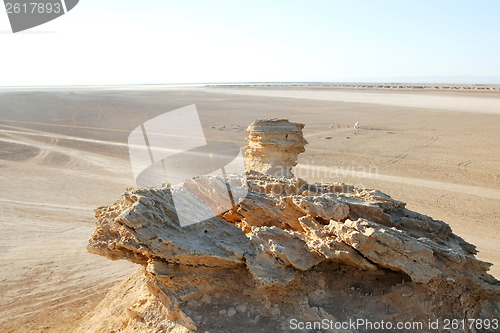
point(291, 252)
point(274, 146)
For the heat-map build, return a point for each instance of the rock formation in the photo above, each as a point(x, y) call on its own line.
point(292, 252)
point(274, 146)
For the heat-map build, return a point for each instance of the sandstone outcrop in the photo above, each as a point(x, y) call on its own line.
point(292, 251)
point(273, 146)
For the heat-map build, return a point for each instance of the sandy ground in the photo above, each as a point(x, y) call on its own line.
point(63, 152)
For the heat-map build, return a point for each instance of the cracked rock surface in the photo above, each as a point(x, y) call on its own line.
point(292, 250)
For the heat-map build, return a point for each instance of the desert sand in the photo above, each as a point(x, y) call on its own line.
point(63, 152)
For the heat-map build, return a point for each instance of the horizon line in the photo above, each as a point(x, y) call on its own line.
point(229, 83)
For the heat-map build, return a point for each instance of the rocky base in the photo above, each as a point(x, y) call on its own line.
point(291, 252)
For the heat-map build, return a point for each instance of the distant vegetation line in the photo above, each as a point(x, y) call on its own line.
point(390, 86)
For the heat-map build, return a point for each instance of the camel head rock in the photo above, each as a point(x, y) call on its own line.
point(274, 146)
point(291, 252)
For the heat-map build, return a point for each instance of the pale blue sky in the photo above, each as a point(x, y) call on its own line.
point(134, 42)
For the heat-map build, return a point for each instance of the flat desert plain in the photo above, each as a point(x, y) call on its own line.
point(63, 152)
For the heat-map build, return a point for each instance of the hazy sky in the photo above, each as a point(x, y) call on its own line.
point(161, 41)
